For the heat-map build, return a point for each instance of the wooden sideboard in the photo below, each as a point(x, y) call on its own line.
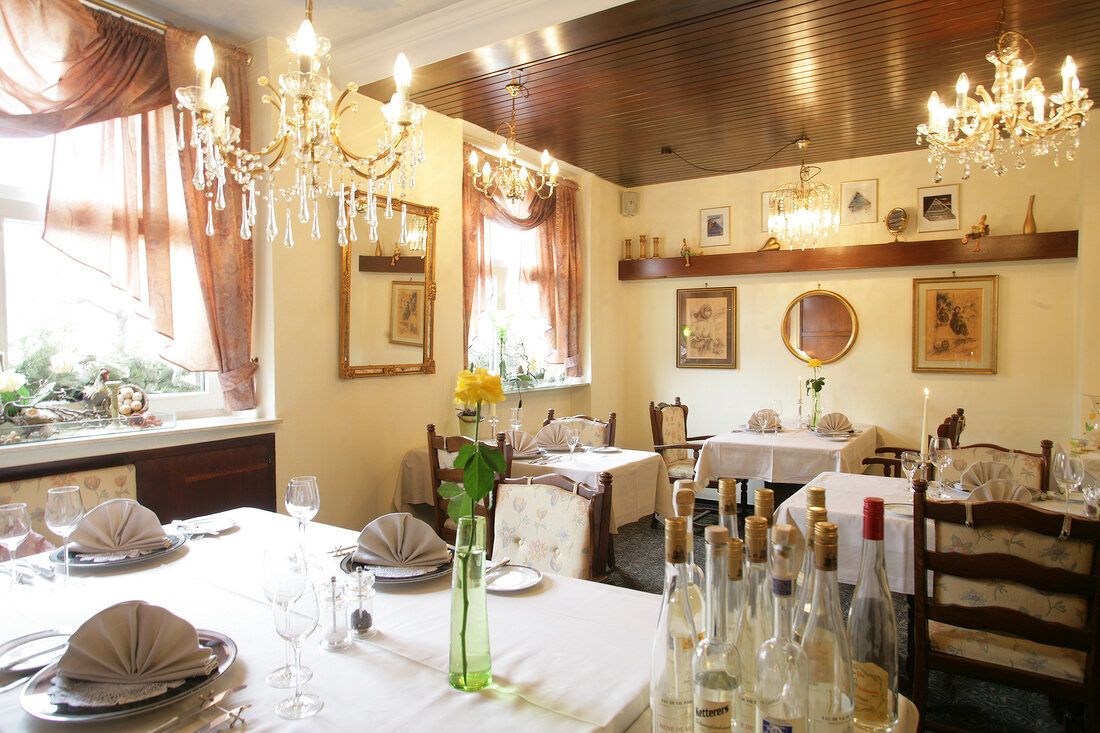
point(185, 480)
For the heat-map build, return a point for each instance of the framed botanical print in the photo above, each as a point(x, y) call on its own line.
point(938, 208)
point(955, 324)
point(407, 313)
point(714, 227)
point(706, 328)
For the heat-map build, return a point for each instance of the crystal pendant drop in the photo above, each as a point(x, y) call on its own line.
point(219, 199)
point(246, 226)
point(288, 234)
point(315, 231)
point(209, 218)
point(181, 142)
point(199, 179)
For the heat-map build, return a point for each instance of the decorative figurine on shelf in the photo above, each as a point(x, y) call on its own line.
point(686, 254)
point(378, 248)
point(656, 247)
point(979, 230)
point(396, 254)
point(1029, 220)
point(641, 247)
point(626, 250)
point(771, 244)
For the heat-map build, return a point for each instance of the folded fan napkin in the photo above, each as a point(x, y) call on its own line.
point(553, 437)
point(135, 643)
point(1001, 489)
point(764, 420)
point(119, 525)
point(400, 540)
point(833, 423)
point(983, 471)
point(521, 441)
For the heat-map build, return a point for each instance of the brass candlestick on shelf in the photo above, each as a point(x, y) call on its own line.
point(641, 247)
point(626, 250)
point(656, 247)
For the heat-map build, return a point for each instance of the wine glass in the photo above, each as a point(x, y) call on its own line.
point(515, 418)
point(777, 408)
point(285, 566)
point(15, 526)
point(294, 606)
point(910, 459)
point(303, 499)
point(941, 457)
point(1068, 473)
point(64, 510)
point(572, 438)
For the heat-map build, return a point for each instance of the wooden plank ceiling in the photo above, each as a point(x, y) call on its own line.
point(727, 84)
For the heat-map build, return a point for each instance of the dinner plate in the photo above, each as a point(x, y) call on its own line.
point(555, 450)
point(528, 454)
point(36, 699)
point(204, 525)
point(75, 561)
point(607, 449)
point(511, 578)
point(899, 509)
point(30, 651)
point(348, 565)
point(836, 438)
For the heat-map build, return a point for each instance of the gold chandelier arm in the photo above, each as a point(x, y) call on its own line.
point(358, 160)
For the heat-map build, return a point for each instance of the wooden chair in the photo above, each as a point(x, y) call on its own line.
point(1015, 599)
point(592, 431)
point(555, 524)
point(679, 451)
point(952, 427)
point(890, 466)
point(1029, 469)
point(441, 450)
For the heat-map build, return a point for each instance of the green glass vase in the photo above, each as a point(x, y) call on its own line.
point(815, 409)
point(471, 666)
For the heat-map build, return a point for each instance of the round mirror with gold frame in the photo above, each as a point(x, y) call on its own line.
point(896, 221)
point(819, 324)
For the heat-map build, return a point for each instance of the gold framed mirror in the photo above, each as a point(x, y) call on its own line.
point(387, 294)
point(819, 324)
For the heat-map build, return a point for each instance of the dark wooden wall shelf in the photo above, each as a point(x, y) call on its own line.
point(375, 263)
point(1003, 248)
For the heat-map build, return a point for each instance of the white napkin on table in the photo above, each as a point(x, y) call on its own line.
point(983, 471)
point(553, 437)
point(521, 441)
point(400, 540)
point(1001, 489)
point(833, 423)
point(119, 525)
point(764, 420)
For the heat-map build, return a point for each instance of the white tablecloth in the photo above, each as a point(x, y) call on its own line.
point(568, 655)
point(788, 457)
point(639, 480)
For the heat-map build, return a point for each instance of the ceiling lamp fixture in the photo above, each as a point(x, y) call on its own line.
point(511, 177)
point(307, 140)
point(803, 212)
point(990, 131)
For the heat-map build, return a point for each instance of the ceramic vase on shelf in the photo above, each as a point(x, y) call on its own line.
point(815, 408)
point(470, 666)
point(1029, 220)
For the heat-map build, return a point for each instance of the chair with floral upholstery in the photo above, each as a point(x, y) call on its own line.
point(441, 460)
point(554, 524)
point(1028, 469)
point(593, 432)
point(670, 438)
point(96, 486)
point(1014, 599)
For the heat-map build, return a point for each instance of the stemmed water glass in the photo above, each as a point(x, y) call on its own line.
point(941, 457)
point(303, 500)
point(572, 438)
point(910, 459)
point(285, 567)
point(64, 510)
point(294, 606)
point(15, 526)
point(1069, 471)
point(515, 418)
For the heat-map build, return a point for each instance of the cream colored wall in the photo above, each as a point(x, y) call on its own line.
point(1033, 395)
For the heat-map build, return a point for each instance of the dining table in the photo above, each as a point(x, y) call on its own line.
point(567, 654)
point(639, 479)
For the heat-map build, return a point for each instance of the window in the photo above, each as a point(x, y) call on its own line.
point(62, 321)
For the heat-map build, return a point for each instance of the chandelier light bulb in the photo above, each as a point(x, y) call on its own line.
point(402, 72)
point(545, 158)
point(486, 171)
point(204, 56)
point(305, 42)
point(503, 153)
point(217, 97)
point(962, 86)
point(473, 160)
point(554, 170)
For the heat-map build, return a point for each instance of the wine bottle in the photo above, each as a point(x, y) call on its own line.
point(756, 618)
point(805, 594)
point(826, 643)
point(670, 674)
point(735, 592)
point(717, 667)
point(781, 666)
point(684, 500)
point(727, 505)
point(815, 497)
point(764, 506)
point(873, 631)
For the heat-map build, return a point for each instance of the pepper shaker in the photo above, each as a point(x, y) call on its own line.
point(362, 598)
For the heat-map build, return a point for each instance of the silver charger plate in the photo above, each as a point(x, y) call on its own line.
point(556, 450)
point(607, 449)
point(176, 541)
point(348, 565)
point(36, 700)
point(16, 654)
point(204, 525)
point(528, 454)
point(511, 578)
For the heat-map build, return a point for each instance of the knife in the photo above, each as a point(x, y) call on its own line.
point(233, 714)
point(10, 666)
point(207, 702)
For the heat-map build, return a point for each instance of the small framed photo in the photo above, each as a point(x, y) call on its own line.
point(765, 206)
point(859, 202)
point(407, 313)
point(714, 227)
point(938, 208)
point(955, 324)
point(706, 328)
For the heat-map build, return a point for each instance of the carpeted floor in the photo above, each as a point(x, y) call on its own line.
point(955, 700)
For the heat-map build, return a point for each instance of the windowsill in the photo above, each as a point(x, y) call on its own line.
point(187, 430)
point(547, 387)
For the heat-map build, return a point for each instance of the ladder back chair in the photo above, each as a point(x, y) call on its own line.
point(592, 431)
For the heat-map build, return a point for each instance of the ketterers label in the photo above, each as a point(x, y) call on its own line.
point(713, 716)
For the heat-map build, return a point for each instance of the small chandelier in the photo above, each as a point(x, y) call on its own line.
point(990, 131)
point(306, 139)
point(801, 213)
point(511, 177)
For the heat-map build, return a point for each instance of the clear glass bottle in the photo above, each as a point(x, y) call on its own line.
point(873, 631)
point(815, 497)
point(670, 674)
point(756, 619)
point(826, 643)
point(764, 506)
point(717, 666)
point(684, 499)
point(804, 595)
point(735, 591)
point(727, 505)
point(781, 666)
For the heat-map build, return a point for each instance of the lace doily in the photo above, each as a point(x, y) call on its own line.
point(95, 557)
point(84, 694)
point(385, 571)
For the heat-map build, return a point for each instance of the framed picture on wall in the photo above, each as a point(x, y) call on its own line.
point(407, 313)
point(706, 328)
point(714, 227)
point(938, 208)
point(859, 202)
point(955, 324)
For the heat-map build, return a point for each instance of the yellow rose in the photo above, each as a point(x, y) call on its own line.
point(815, 363)
point(478, 386)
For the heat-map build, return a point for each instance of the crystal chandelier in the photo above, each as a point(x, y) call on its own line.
point(800, 213)
point(511, 177)
point(306, 140)
point(993, 130)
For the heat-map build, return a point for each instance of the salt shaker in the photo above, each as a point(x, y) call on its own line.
point(362, 601)
point(333, 606)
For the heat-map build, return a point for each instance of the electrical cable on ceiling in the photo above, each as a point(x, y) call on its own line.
point(669, 151)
